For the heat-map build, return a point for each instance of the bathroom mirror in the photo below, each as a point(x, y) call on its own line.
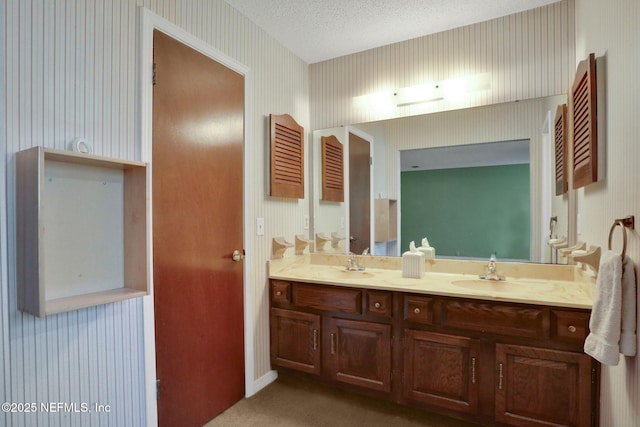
point(465, 130)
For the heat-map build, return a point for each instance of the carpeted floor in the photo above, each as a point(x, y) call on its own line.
point(290, 402)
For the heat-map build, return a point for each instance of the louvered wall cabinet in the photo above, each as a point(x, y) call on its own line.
point(287, 157)
point(561, 150)
point(585, 124)
point(81, 230)
point(332, 152)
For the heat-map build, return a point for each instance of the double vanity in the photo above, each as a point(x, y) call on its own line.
point(496, 352)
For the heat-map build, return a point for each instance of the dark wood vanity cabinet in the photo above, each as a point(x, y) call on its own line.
point(494, 362)
point(341, 334)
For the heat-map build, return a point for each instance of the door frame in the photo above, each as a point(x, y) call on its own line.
point(148, 22)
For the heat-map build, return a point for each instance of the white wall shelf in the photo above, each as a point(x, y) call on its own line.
point(81, 230)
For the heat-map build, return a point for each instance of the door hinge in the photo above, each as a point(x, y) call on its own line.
point(157, 389)
point(154, 78)
point(370, 161)
point(593, 375)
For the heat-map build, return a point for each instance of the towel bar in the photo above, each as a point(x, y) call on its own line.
point(624, 223)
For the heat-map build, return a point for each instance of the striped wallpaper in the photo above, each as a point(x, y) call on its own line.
point(610, 30)
point(69, 69)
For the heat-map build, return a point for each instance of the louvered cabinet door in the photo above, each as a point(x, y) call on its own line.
point(287, 157)
point(561, 150)
point(332, 169)
point(585, 124)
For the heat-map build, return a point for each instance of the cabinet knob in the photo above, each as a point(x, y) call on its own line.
point(377, 305)
point(571, 328)
point(416, 310)
point(278, 293)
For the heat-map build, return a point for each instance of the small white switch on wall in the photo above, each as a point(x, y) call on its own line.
point(260, 226)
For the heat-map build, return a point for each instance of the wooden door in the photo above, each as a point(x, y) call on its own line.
point(198, 133)
point(359, 194)
point(441, 370)
point(358, 353)
point(540, 387)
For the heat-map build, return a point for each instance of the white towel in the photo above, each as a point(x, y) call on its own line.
point(628, 338)
point(613, 316)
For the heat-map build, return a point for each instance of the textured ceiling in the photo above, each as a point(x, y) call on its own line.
point(317, 30)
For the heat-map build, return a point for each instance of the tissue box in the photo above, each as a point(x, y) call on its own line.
point(429, 252)
point(412, 265)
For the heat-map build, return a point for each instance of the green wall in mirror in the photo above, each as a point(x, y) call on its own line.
point(468, 212)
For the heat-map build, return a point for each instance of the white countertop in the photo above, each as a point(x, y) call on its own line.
point(560, 286)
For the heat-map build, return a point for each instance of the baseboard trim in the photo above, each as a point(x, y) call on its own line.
point(261, 383)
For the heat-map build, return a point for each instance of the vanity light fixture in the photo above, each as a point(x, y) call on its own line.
point(418, 94)
point(453, 89)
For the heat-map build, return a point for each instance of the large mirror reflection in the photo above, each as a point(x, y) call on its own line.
point(475, 181)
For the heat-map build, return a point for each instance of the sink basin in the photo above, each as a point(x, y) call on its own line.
point(343, 273)
point(485, 285)
point(499, 286)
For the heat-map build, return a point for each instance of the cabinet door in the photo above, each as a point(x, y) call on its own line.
point(441, 370)
point(540, 387)
point(295, 340)
point(359, 353)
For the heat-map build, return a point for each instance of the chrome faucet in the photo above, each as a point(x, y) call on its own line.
point(353, 264)
point(492, 267)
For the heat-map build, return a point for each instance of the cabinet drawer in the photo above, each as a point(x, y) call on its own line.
point(572, 326)
point(379, 303)
point(495, 318)
point(418, 309)
point(327, 298)
point(280, 291)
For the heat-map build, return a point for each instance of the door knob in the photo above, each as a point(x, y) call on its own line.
point(237, 255)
